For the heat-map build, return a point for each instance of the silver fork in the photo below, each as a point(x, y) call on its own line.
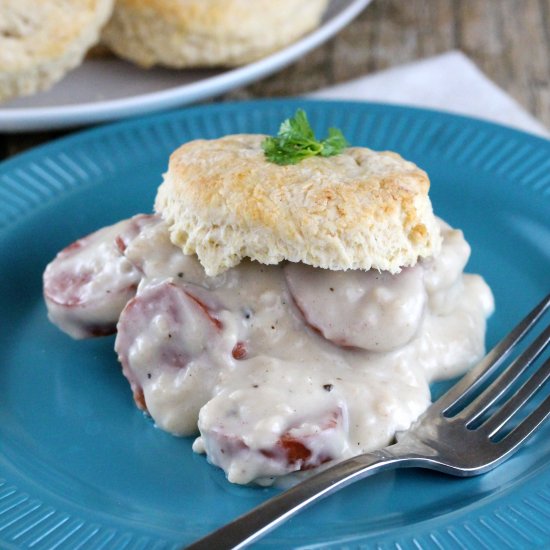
point(464, 433)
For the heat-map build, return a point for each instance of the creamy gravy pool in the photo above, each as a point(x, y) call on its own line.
point(283, 368)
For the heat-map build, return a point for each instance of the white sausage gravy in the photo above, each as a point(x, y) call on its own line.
point(281, 368)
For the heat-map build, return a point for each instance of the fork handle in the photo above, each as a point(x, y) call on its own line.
point(251, 526)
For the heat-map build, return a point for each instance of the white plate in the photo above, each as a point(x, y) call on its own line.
point(108, 89)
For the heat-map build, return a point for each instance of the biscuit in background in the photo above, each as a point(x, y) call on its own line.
point(41, 40)
point(206, 33)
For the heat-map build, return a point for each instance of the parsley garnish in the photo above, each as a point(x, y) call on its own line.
point(296, 141)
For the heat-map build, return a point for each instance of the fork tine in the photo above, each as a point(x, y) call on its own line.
point(497, 388)
point(499, 419)
point(523, 430)
point(479, 374)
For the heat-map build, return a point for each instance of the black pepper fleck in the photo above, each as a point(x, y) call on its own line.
point(149, 375)
point(180, 274)
point(331, 289)
point(327, 387)
point(255, 385)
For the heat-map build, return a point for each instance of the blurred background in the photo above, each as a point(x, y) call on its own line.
point(509, 40)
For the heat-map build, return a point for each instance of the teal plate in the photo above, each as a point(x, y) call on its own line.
point(80, 467)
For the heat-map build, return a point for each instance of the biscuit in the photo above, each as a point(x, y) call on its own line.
point(360, 209)
point(41, 41)
point(201, 33)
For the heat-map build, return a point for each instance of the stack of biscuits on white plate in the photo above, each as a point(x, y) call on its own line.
point(41, 41)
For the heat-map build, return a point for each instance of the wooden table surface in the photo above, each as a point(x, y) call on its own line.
point(508, 39)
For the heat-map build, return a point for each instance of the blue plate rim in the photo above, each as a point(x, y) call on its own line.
point(294, 101)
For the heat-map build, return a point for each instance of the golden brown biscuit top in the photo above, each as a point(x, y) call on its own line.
point(356, 210)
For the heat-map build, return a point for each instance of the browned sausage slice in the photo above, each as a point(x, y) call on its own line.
point(376, 311)
point(89, 282)
point(170, 345)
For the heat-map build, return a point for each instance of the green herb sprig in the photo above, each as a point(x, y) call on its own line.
point(296, 141)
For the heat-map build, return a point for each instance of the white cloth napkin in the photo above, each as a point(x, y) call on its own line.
point(448, 82)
